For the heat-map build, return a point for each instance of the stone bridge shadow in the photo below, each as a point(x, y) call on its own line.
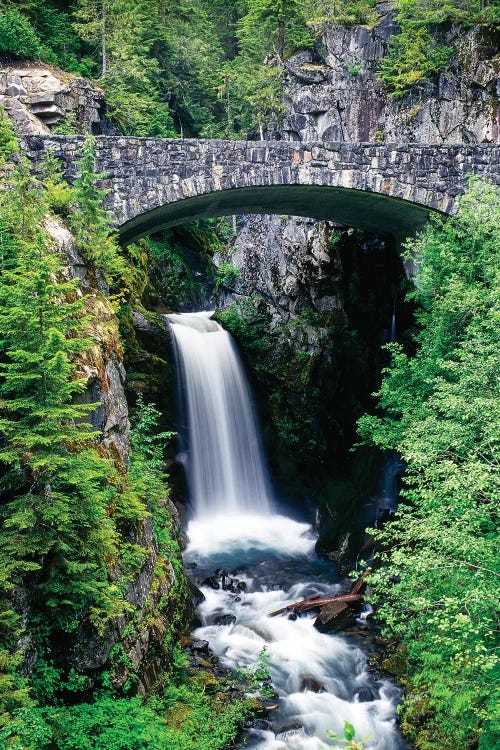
point(356, 208)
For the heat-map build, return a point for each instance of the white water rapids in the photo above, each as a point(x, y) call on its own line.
point(322, 680)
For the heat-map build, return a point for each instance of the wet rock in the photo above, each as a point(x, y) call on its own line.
point(224, 620)
point(287, 726)
point(212, 582)
point(197, 596)
point(334, 616)
point(261, 724)
point(312, 685)
point(199, 645)
point(365, 695)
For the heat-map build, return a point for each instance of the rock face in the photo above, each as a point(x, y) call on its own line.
point(136, 647)
point(333, 94)
point(39, 99)
point(289, 261)
point(102, 366)
point(316, 283)
point(341, 98)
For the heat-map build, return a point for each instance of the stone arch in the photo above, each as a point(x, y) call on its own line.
point(391, 188)
point(363, 210)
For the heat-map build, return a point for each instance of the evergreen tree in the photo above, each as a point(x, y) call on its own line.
point(57, 487)
point(441, 411)
point(282, 23)
point(63, 505)
point(17, 36)
point(123, 32)
point(89, 220)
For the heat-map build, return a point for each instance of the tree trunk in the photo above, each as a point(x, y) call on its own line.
point(103, 40)
point(281, 39)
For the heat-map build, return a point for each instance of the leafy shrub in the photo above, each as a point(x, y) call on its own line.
point(17, 35)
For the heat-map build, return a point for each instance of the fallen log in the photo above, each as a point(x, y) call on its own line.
point(289, 607)
point(320, 603)
point(317, 602)
point(360, 582)
point(304, 605)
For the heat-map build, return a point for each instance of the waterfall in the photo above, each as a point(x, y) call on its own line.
point(393, 319)
point(263, 561)
point(226, 469)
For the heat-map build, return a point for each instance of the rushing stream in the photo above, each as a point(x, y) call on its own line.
point(321, 679)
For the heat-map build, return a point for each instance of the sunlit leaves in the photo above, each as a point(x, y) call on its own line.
point(438, 583)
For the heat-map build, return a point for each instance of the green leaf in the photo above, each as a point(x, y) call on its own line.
point(349, 731)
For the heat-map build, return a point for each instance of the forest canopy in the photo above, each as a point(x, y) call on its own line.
point(214, 67)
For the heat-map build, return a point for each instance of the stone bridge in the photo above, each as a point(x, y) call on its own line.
point(385, 188)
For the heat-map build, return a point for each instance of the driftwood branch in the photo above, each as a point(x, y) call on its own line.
point(317, 602)
point(360, 582)
point(290, 607)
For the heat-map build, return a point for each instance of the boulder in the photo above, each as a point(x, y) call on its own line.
point(224, 620)
point(334, 616)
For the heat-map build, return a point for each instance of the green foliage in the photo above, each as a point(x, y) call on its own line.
point(61, 486)
point(347, 740)
point(273, 27)
point(183, 717)
point(248, 321)
point(147, 481)
point(344, 12)
point(180, 264)
point(17, 35)
point(68, 126)
point(63, 507)
point(90, 222)
point(414, 56)
point(257, 679)
point(211, 68)
point(8, 141)
point(60, 44)
point(267, 33)
point(468, 12)
point(227, 274)
point(440, 410)
point(67, 512)
point(156, 61)
point(58, 193)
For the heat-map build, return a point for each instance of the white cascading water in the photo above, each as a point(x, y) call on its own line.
point(226, 469)
point(321, 679)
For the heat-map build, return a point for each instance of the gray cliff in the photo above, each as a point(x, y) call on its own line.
point(333, 93)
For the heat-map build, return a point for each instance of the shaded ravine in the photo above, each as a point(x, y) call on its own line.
point(322, 680)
